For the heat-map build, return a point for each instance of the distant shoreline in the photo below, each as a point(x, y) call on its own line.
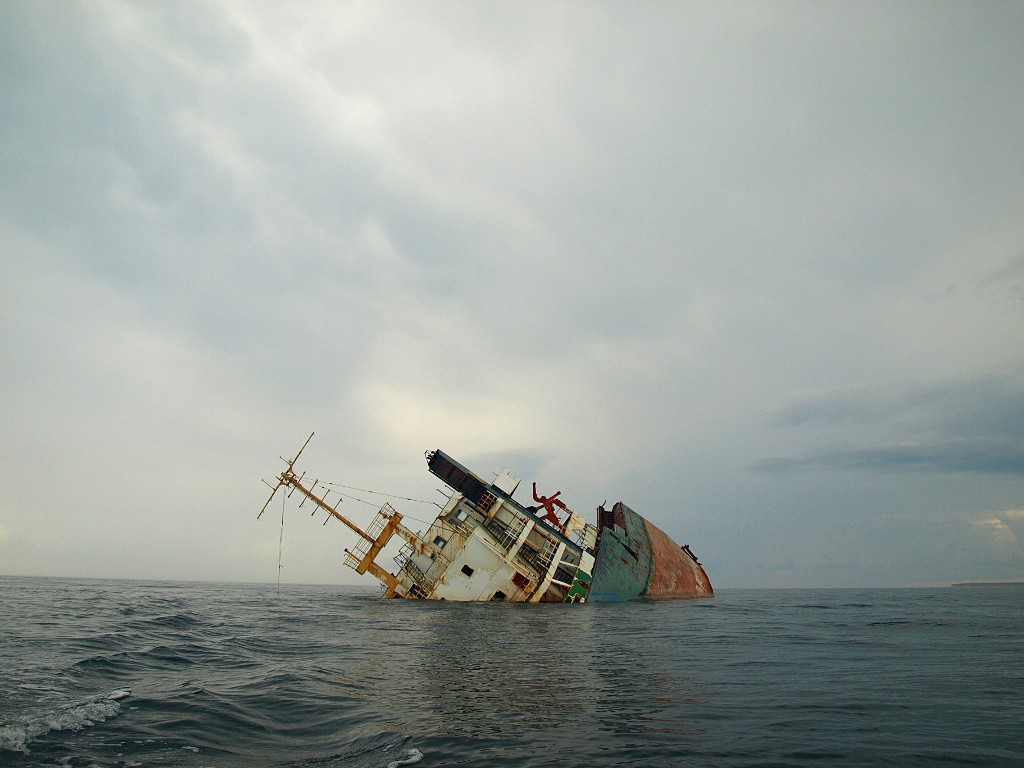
point(989, 584)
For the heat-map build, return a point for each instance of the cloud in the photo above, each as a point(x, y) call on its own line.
point(1002, 534)
point(991, 455)
point(964, 405)
point(628, 263)
point(968, 425)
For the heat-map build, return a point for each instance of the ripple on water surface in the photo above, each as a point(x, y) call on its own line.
point(232, 675)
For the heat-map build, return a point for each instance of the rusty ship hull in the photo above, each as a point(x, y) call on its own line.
point(485, 545)
point(635, 559)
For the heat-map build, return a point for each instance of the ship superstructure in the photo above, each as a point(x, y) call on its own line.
point(485, 545)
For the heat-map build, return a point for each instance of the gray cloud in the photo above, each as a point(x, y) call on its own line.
point(987, 455)
point(975, 406)
point(603, 259)
point(974, 425)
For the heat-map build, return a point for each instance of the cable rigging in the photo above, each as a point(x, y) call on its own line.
point(280, 545)
point(376, 493)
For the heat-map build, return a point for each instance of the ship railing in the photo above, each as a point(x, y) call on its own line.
point(546, 555)
point(505, 534)
point(424, 580)
point(403, 555)
point(384, 515)
point(436, 570)
point(539, 561)
point(497, 528)
point(414, 570)
point(362, 546)
point(460, 526)
point(446, 526)
point(586, 537)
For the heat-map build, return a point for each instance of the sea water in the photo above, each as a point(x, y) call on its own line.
point(109, 673)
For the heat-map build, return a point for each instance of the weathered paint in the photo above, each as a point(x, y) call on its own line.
point(675, 573)
point(489, 573)
point(580, 587)
point(622, 566)
point(485, 545)
point(637, 559)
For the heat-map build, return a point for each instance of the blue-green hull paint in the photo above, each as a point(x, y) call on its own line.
point(624, 566)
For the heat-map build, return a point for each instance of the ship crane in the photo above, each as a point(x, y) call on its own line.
point(387, 524)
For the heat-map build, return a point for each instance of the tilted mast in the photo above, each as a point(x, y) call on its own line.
point(387, 523)
point(484, 545)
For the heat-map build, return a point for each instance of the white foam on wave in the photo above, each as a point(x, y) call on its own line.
point(411, 756)
point(15, 737)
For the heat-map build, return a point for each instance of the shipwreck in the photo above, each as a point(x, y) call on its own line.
point(485, 545)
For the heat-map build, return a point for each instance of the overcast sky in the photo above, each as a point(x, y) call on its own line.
point(756, 269)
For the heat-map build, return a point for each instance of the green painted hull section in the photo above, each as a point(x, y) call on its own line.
point(622, 568)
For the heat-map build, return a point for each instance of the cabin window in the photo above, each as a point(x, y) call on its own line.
point(520, 581)
point(467, 570)
point(499, 595)
point(439, 542)
point(564, 576)
point(461, 515)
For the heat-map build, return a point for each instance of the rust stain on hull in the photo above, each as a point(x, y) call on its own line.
point(485, 545)
point(676, 574)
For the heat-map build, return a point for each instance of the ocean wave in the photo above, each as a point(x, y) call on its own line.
point(766, 677)
point(175, 621)
point(409, 756)
point(15, 737)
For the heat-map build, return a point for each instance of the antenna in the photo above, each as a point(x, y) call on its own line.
point(294, 483)
point(281, 477)
point(291, 463)
point(387, 523)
